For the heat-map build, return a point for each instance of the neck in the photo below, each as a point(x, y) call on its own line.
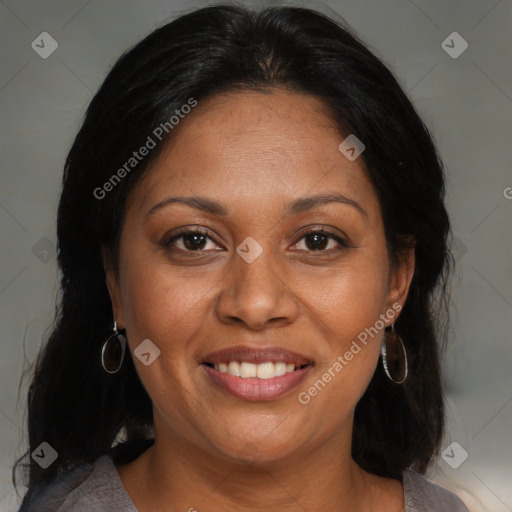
point(322, 477)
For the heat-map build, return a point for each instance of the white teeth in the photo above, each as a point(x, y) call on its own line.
point(248, 370)
point(234, 368)
point(267, 370)
point(280, 368)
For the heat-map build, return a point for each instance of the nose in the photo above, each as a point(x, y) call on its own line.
point(256, 294)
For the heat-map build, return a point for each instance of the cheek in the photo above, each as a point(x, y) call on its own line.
point(352, 298)
point(160, 307)
point(158, 304)
point(349, 312)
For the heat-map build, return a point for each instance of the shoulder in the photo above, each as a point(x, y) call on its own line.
point(424, 496)
point(91, 487)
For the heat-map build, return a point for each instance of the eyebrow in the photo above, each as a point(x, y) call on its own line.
point(295, 207)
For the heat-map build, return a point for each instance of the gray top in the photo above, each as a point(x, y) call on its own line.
point(98, 488)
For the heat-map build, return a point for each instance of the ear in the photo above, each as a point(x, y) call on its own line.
point(401, 275)
point(112, 282)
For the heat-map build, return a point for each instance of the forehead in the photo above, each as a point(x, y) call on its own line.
point(253, 148)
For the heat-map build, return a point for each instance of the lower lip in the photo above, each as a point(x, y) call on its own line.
point(255, 389)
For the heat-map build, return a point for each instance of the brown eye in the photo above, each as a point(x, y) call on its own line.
point(189, 241)
point(322, 241)
point(194, 241)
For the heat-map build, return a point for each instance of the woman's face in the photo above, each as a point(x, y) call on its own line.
point(253, 281)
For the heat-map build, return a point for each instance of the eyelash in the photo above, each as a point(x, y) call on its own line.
point(168, 243)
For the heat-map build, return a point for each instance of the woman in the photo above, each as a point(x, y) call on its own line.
point(251, 231)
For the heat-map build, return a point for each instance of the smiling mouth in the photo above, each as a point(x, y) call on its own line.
point(246, 370)
point(256, 382)
point(256, 373)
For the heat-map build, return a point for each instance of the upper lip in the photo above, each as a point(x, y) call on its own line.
point(256, 355)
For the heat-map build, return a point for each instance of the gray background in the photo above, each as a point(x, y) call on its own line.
point(466, 102)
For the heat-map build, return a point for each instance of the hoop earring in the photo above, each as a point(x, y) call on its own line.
point(394, 357)
point(112, 351)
